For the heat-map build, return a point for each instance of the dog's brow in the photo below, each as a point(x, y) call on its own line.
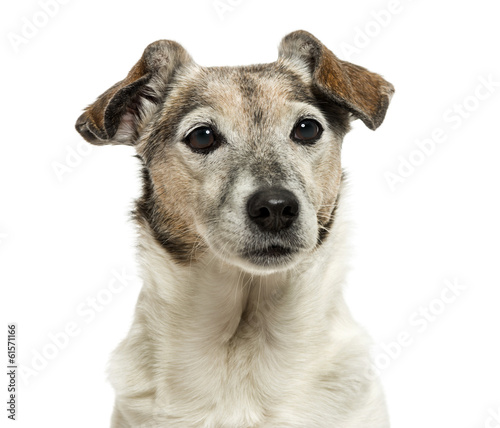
point(303, 110)
point(199, 116)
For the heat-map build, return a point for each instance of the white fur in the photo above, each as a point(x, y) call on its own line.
point(213, 346)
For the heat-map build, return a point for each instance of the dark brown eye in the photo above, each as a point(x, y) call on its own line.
point(202, 138)
point(307, 131)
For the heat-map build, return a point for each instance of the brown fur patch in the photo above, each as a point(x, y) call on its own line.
point(360, 91)
point(173, 234)
point(100, 121)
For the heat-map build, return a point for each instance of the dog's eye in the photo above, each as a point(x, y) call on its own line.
point(202, 138)
point(307, 131)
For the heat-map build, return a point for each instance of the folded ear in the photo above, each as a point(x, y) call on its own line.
point(365, 94)
point(117, 116)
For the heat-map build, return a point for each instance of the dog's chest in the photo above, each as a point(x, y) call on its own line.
point(240, 383)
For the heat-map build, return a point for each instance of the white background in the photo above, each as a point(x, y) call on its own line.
point(63, 235)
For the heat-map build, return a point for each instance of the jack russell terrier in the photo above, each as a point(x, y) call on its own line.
point(241, 322)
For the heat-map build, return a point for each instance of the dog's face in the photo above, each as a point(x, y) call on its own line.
point(253, 164)
point(240, 162)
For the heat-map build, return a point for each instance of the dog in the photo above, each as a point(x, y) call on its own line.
point(241, 320)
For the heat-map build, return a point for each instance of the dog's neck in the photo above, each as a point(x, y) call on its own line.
point(223, 304)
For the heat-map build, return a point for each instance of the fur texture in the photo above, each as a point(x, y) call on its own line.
point(238, 326)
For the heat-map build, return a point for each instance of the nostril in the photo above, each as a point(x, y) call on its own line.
point(264, 212)
point(290, 211)
point(256, 211)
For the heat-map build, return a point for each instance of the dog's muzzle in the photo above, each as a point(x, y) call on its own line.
point(272, 211)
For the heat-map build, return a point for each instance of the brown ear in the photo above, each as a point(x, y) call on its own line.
point(365, 94)
point(118, 114)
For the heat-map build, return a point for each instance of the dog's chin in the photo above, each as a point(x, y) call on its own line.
point(262, 258)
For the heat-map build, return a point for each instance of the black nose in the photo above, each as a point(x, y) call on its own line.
point(273, 209)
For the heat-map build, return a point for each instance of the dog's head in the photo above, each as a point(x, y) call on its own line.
point(242, 162)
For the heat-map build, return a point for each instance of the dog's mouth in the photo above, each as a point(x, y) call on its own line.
point(271, 255)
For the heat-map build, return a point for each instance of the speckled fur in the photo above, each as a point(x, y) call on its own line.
point(218, 341)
